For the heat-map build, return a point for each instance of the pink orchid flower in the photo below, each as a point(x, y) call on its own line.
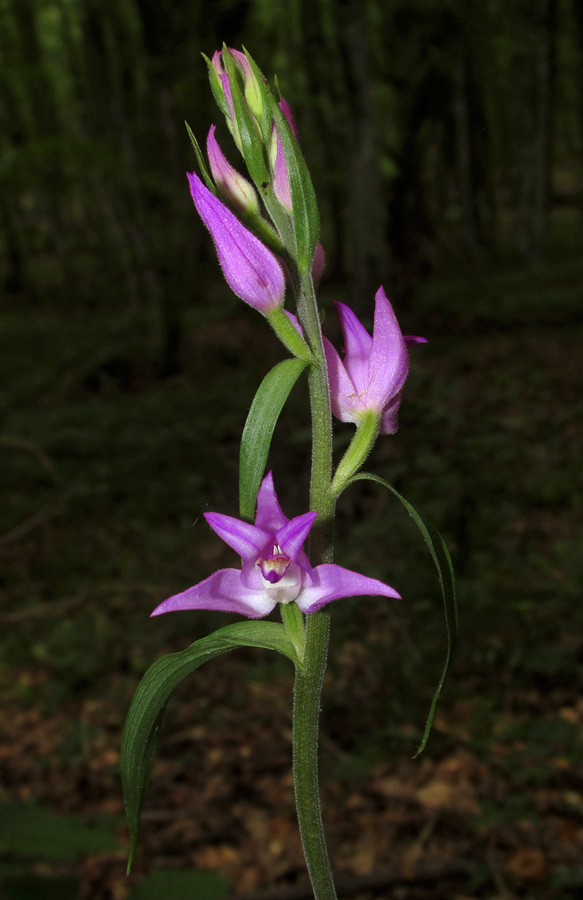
point(374, 369)
point(275, 568)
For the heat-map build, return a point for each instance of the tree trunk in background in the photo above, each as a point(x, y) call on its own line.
point(465, 157)
point(32, 121)
point(578, 15)
point(331, 39)
point(533, 105)
point(474, 172)
point(365, 248)
point(15, 281)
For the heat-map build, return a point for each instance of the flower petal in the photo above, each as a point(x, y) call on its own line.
point(293, 534)
point(250, 269)
point(244, 538)
point(346, 404)
point(269, 516)
point(331, 582)
point(357, 346)
point(222, 592)
point(390, 416)
point(389, 363)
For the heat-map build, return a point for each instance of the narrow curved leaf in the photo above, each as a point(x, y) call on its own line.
point(200, 159)
point(445, 573)
point(140, 737)
point(256, 439)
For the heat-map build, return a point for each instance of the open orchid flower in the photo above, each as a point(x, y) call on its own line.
point(374, 369)
point(275, 568)
point(250, 269)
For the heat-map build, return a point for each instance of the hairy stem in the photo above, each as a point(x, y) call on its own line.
point(308, 683)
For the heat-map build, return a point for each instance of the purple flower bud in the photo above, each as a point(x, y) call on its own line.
point(280, 176)
point(250, 269)
point(233, 187)
point(217, 63)
point(252, 90)
point(285, 108)
point(318, 264)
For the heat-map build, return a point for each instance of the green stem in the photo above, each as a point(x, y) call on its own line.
point(309, 678)
point(286, 332)
point(307, 691)
point(360, 446)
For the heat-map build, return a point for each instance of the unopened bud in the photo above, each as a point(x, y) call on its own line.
point(230, 183)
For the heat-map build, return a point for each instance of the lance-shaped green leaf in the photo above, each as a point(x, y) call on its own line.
point(443, 564)
point(303, 197)
point(261, 420)
point(140, 737)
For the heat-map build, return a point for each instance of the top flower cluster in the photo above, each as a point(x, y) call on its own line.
point(374, 369)
point(252, 270)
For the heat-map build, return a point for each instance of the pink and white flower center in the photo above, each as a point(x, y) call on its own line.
point(282, 578)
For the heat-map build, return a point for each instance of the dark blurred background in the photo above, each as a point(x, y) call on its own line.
point(445, 141)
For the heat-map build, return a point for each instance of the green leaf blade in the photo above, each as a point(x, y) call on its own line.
point(140, 737)
point(259, 427)
point(445, 573)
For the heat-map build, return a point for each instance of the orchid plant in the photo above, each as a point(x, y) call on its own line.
point(266, 233)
